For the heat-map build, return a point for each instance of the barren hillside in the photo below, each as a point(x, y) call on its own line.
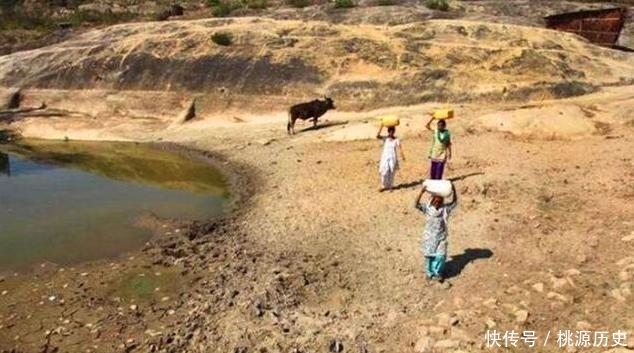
point(361, 66)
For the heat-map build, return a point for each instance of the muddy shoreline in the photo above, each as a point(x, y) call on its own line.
point(172, 249)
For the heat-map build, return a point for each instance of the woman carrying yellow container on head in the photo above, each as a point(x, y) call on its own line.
point(440, 151)
point(388, 165)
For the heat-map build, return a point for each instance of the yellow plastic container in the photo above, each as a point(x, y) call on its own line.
point(441, 114)
point(390, 121)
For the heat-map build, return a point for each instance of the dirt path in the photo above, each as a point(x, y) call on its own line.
point(317, 260)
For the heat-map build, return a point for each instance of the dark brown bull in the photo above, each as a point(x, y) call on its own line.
point(304, 111)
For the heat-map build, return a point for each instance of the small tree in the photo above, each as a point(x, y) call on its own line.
point(441, 5)
point(222, 38)
point(344, 4)
point(224, 9)
point(298, 3)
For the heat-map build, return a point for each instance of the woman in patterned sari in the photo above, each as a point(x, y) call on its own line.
point(434, 241)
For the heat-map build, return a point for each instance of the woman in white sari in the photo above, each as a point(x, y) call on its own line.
point(389, 158)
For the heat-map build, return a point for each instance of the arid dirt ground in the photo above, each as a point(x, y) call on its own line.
point(313, 258)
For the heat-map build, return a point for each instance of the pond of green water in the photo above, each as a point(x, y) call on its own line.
point(70, 202)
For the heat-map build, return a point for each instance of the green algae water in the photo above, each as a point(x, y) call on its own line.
point(71, 202)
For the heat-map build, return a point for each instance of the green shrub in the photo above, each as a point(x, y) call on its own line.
point(8, 6)
point(225, 9)
point(79, 17)
point(222, 38)
point(213, 3)
point(441, 5)
point(161, 16)
point(344, 4)
point(386, 2)
point(21, 20)
point(298, 3)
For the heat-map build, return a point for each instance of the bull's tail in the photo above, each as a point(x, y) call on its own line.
point(290, 123)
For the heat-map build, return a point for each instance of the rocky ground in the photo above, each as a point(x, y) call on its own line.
point(315, 259)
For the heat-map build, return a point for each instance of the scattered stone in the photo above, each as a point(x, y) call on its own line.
point(84, 274)
point(153, 333)
point(521, 316)
point(437, 330)
point(189, 112)
point(558, 283)
point(491, 303)
point(539, 287)
point(171, 312)
point(447, 320)
point(12, 99)
point(625, 261)
point(616, 294)
point(164, 299)
point(572, 272)
point(265, 142)
point(511, 308)
point(4, 292)
point(628, 237)
point(624, 276)
point(625, 289)
point(454, 321)
point(52, 298)
point(424, 345)
point(133, 307)
point(513, 289)
point(558, 296)
point(460, 335)
point(446, 344)
point(630, 341)
point(490, 323)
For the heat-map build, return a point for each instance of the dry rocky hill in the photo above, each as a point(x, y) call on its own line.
point(362, 66)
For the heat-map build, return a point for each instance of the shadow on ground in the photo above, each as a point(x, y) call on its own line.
point(412, 184)
point(463, 177)
point(458, 262)
point(323, 125)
